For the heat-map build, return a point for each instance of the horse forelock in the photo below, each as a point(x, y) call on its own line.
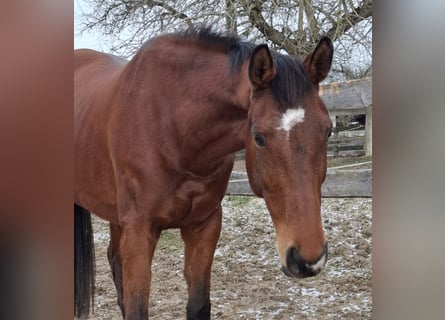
point(291, 82)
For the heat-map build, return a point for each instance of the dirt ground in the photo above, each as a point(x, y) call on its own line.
point(246, 279)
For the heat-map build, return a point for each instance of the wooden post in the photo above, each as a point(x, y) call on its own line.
point(335, 136)
point(368, 132)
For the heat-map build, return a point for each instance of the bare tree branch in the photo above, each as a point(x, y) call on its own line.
point(290, 26)
point(346, 21)
point(169, 9)
point(270, 33)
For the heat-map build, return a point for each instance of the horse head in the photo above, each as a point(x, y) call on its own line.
point(286, 150)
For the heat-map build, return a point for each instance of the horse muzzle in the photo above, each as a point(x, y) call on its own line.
point(297, 267)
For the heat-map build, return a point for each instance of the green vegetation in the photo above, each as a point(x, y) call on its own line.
point(238, 201)
point(170, 241)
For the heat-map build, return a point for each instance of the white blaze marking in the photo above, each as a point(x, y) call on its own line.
point(291, 118)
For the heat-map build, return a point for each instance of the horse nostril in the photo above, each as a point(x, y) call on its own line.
point(298, 267)
point(294, 262)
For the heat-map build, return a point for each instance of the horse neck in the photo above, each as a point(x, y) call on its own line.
point(220, 128)
point(204, 109)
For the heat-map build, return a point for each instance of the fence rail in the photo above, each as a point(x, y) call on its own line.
point(339, 183)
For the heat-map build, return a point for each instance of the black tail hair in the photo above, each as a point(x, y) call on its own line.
point(84, 266)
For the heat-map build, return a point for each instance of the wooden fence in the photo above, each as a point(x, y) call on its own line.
point(341, 182)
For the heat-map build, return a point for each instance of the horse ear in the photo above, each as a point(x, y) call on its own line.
point(318, 62)
point(261, 67)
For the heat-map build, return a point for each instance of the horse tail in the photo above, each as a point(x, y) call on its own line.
point(84, 266)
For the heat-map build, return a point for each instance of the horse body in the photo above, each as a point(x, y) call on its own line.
point(154, 141)
point(156, 135)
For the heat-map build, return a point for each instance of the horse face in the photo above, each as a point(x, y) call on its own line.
point(286, 159)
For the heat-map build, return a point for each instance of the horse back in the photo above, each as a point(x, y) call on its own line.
point(83, 57)
point(95, 78)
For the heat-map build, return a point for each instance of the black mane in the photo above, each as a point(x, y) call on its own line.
point(291, 81)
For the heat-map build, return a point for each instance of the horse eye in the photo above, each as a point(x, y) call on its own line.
point(328, 134)
point(259, 140)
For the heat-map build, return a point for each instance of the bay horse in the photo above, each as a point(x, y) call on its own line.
point(154, 143)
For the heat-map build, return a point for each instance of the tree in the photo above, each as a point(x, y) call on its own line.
point(290, 26)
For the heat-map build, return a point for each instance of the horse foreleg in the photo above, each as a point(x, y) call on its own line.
point(200, 243)
point(115, 261)
point(136, 249)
